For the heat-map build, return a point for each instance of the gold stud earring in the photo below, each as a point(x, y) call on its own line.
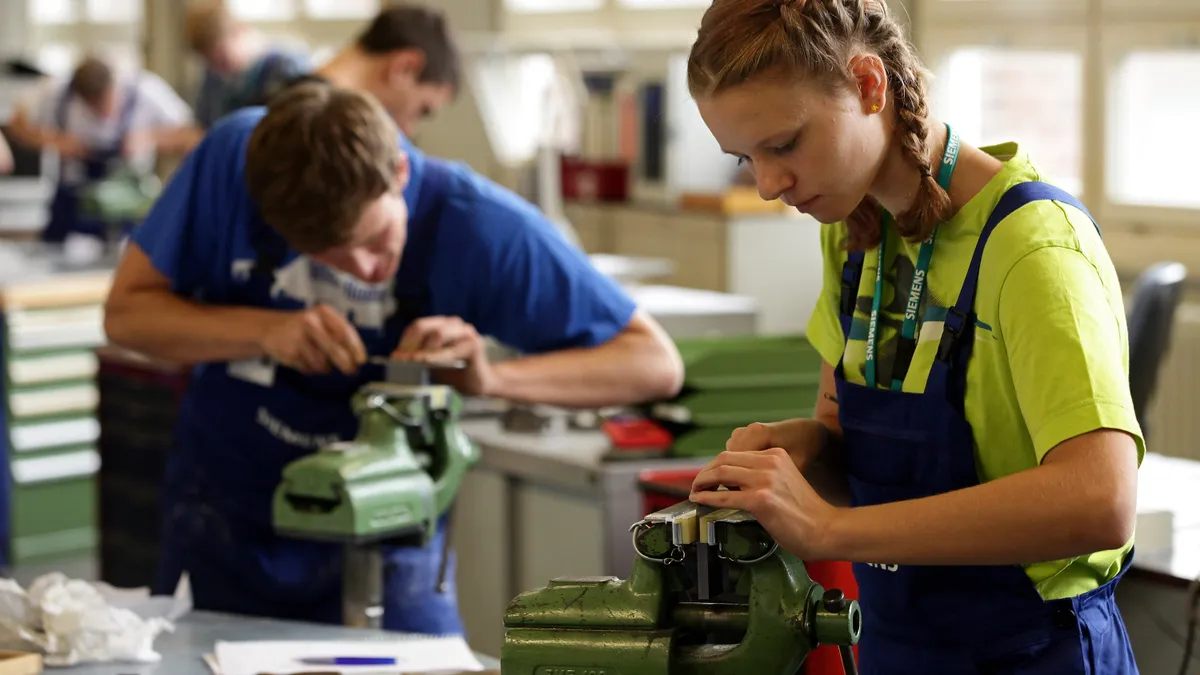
point(874, 108)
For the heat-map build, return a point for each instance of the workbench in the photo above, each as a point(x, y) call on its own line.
point(538, 507)
point(197, 633)
point(1153, 596)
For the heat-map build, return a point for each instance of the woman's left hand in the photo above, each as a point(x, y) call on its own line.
point(771, 488)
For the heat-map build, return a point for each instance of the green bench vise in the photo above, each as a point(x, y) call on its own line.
point(387, 487)
point(710, 593)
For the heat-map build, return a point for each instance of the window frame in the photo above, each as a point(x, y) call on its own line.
point(1104, 30)
point(1116, 41)
point(939, 45)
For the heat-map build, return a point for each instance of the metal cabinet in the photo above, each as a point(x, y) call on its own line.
point(50, 329)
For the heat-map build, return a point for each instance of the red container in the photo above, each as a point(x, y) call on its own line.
point(661, 489)
point(593, 180)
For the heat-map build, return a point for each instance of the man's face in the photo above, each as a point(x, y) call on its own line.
point(226, 57)
point(374, 250)
point(406, 98)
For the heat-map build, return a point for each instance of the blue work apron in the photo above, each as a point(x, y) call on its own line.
point(217, 500)
point(65, 217)
point(957, 620)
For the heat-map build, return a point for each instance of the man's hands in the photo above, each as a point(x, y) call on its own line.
point(449, 338)
point(314, 341)
point(69, 146)
point(319, 340)
point(138, 143)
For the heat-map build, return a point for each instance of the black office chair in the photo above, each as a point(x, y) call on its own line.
point(1151, 318)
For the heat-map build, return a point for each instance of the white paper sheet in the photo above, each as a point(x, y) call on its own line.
point(413, 654)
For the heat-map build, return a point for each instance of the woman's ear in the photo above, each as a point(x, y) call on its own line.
point(870, 77)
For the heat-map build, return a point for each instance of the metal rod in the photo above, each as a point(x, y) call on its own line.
point(848, 664)
point(709, 617)
point(362, 587)
point(444, 564)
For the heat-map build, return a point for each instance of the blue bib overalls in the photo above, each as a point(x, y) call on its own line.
point(65, 217)
point(957, 620)
point(217, 512)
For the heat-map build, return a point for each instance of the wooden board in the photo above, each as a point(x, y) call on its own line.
point(58, 291)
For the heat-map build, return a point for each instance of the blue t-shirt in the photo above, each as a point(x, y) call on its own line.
point(496, 262)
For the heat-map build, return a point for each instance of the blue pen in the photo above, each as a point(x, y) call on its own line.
point(350, 661)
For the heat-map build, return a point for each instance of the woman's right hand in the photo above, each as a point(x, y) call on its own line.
point(802, 438)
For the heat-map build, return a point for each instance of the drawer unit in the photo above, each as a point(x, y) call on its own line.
point(50, 331)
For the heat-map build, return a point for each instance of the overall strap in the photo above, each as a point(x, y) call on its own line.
point(851, 275)
point(131, 101)
point(962, 315)
point(62, 107)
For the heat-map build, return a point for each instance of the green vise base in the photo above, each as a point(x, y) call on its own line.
point(644, 626)
point(392, 482)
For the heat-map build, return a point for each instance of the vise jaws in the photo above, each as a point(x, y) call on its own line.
point(711, 593)
point(387, 487)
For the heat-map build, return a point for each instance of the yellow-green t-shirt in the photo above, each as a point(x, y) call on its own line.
point(1051, 355)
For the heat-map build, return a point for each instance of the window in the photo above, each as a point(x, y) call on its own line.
point(57, 59)
point(123, 55)
point(51, 11)
point(545, 6)
point(114, 11)
point(1031, 96)
point(264, 10)
point(322, 54)
point(1153, 137)
point(341, 9)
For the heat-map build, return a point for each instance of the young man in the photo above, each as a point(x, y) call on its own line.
point(95, 120)
point(278, 262)
point(406, 58)
point(241, 67)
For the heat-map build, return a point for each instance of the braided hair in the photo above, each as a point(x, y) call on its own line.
point(741, 40)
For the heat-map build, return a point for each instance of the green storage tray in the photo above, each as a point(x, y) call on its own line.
point(749, 362)
point(710, 441)
point(738, 407)
point(53, 519)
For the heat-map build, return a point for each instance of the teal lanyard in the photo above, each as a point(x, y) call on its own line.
point(908, 332)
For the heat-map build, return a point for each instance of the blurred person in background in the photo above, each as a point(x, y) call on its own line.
point(98, 120)
point(242, 67)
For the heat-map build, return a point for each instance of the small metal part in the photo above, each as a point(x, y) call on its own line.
point(707, 617)
point(531, 419)
point(682, 519)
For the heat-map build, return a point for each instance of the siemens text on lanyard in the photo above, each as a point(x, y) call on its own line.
point(907, 343)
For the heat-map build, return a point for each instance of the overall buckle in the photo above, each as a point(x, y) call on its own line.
point(951, 332)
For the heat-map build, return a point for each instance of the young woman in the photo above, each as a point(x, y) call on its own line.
point(975, 398)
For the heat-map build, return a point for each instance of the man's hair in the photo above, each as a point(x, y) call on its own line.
point(317, 159)
point(92, 80)
point(416, 27)
point(207, 23)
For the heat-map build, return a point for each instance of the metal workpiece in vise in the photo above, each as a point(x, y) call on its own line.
point(387, 487)
point(710, 593)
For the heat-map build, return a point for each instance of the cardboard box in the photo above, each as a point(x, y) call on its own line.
point(20, 663)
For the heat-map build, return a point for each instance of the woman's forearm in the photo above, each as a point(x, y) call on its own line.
point(1080, 504)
